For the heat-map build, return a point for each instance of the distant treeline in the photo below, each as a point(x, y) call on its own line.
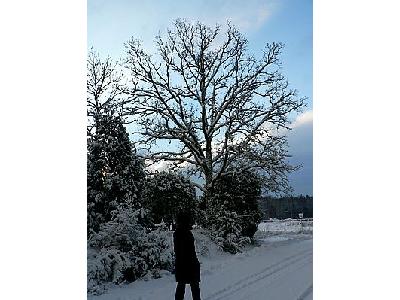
point(286, 207)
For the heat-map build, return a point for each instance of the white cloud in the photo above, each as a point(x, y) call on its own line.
point(158, 166)
point(303, 119)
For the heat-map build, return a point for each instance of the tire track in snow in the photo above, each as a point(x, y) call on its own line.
point(278, 277)
point(255, 277)
point(246, 285)
point(307, 292)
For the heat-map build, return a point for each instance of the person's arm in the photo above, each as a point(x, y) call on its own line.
point(193, 249)
point(177, 245)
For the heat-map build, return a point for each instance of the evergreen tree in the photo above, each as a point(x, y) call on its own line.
point(168, 193)
point(115, 174)
point(238, 192)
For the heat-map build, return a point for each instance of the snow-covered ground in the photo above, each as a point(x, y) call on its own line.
point(279, 268)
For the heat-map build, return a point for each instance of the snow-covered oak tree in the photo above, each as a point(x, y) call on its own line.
point(219, 106)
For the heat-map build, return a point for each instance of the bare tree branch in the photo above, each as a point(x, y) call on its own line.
point(106, 91)
point(220, 104)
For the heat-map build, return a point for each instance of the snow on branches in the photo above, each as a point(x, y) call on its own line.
point(218, 104)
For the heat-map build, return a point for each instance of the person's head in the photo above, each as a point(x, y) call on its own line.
point(184, 220)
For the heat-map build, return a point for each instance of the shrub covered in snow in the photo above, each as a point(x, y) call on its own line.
point(124, 250)
point(226, 230)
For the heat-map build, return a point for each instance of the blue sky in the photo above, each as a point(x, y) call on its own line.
point(111, 23)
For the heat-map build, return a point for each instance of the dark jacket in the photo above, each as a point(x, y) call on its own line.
point(187, 266)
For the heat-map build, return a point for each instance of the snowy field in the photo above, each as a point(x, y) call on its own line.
point(287, 226)
point(279, 268)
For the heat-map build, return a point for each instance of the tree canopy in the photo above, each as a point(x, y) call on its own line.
point(220, 106)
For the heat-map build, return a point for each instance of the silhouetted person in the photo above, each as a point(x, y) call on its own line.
point(187, 266)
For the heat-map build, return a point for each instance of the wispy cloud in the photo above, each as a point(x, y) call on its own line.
point(113, 22)
point(246, 15)
point(251, 15)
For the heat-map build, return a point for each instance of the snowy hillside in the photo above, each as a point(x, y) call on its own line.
point(280, 267)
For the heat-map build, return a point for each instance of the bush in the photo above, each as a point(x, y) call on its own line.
point(227, 230)
point(123, 251)
point(238, 192)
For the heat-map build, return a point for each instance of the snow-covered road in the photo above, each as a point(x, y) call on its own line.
point(281, 269)
point(280, 272)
